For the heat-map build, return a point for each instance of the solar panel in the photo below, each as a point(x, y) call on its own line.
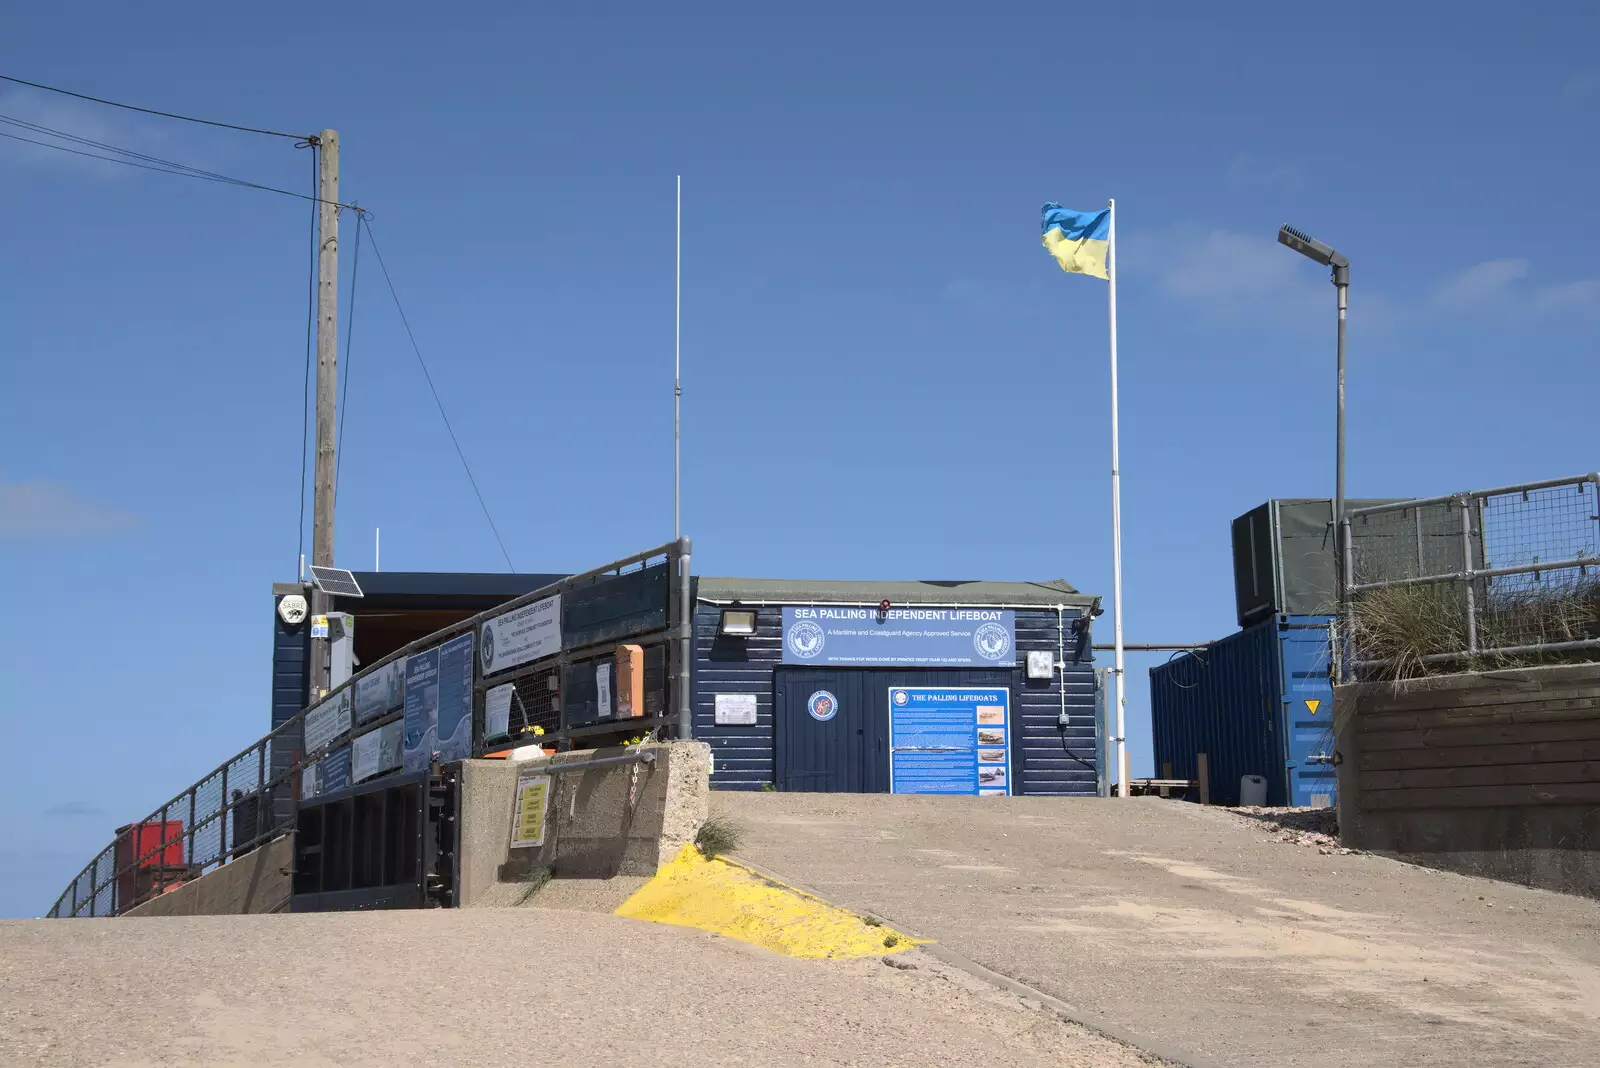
point(336, 581)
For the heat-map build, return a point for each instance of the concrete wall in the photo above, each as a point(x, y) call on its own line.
point(1489, 773)
point(256, 882)
point(624, 819)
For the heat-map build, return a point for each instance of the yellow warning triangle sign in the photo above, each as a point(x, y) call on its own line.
point(1313, 704)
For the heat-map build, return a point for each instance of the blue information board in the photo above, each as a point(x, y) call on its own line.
point(900, 637)
point(422, 709)
point(949, 740)
point(455, 699)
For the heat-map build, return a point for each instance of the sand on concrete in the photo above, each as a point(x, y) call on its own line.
point(489, 987)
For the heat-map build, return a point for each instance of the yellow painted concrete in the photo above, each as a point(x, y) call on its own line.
point(727, 899)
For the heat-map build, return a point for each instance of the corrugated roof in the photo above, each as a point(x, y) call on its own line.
point(808, 591)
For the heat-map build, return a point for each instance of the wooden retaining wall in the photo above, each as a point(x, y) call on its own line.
point(1488, 773)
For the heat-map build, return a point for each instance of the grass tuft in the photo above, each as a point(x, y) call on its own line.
point(717, 836)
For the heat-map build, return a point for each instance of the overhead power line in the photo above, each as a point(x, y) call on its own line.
point(153, 111)
point(129, 158)
point(373, 241)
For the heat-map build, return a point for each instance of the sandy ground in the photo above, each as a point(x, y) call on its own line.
point(1207, 932)
point(527, 986)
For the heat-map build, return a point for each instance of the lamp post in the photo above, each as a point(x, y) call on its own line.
point(1326, 255)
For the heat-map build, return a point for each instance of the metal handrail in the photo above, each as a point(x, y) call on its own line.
point(1519, 487)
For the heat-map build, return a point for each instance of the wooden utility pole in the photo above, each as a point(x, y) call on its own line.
point(327, 387)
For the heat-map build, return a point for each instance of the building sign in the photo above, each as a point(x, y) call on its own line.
point(455, 699)
point(327, 721)
point(949, 740)
point(952, 637)
point(380, 691)
point(422, 709)
point(528, 633)
point(533, 803)
point(376, 751)
point(734, 709)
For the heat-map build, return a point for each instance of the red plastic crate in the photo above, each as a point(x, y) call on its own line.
point(152, 844)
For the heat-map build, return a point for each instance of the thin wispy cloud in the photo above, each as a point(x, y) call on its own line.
point(48, 509)
point(1506, 288)
point(1483, 282)
point(1223, 267)
point(73, 810)
point(89, 121)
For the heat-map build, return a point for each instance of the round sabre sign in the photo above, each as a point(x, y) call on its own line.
point(823, 706)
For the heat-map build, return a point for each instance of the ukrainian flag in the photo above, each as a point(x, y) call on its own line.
point(1077, 239)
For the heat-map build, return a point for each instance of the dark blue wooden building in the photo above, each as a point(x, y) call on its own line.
point(872, 687)
point(868, 687)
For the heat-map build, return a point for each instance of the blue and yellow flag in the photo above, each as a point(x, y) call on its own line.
point(1077, 239)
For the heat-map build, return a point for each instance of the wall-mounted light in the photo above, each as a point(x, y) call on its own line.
point(737, 622)
point(1041, 664)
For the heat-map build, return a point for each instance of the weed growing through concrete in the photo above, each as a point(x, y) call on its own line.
point(891, 940)
point(872, 921)
point(533, 883)
point(718, 836)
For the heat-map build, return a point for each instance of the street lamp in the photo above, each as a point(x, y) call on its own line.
point(1313, 249)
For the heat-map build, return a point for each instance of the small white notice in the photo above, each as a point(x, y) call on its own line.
point(602, 682)
point(736, 709)
point(497, 711)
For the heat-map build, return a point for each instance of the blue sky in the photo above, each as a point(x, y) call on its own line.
point(884, 375)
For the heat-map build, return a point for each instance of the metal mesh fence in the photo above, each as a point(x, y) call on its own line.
point(224, 815)
point(1501, 576)
point(536, 706)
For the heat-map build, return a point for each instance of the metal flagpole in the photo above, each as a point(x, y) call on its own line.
point(1116, 507)
point(677, 369)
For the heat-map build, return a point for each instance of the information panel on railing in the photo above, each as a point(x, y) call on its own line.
point(377, 751)
point(529, 633)
point(330, 773)
point(327, 721)
point(422, 708)
point(455, 699)
point(381, 690)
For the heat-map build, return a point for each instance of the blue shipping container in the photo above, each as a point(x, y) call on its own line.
point(1259, 702)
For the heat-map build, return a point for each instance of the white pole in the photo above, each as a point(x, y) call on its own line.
point(677, 370)
point(377, 545)
point(1116, 509)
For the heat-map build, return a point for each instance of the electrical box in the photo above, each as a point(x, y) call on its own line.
point(341, 648)
point(630, 681)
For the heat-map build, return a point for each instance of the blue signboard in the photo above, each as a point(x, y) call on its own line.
point(949, 740)
point(455, 698)
point(900, 637)
point(330, 773)
point(422, 709)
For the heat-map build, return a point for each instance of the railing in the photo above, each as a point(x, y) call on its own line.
point(237, 807)
point(1492, 577)
point(256, 795)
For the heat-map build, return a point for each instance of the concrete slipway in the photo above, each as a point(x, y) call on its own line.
point(1199, 933)
point(1186, 931)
